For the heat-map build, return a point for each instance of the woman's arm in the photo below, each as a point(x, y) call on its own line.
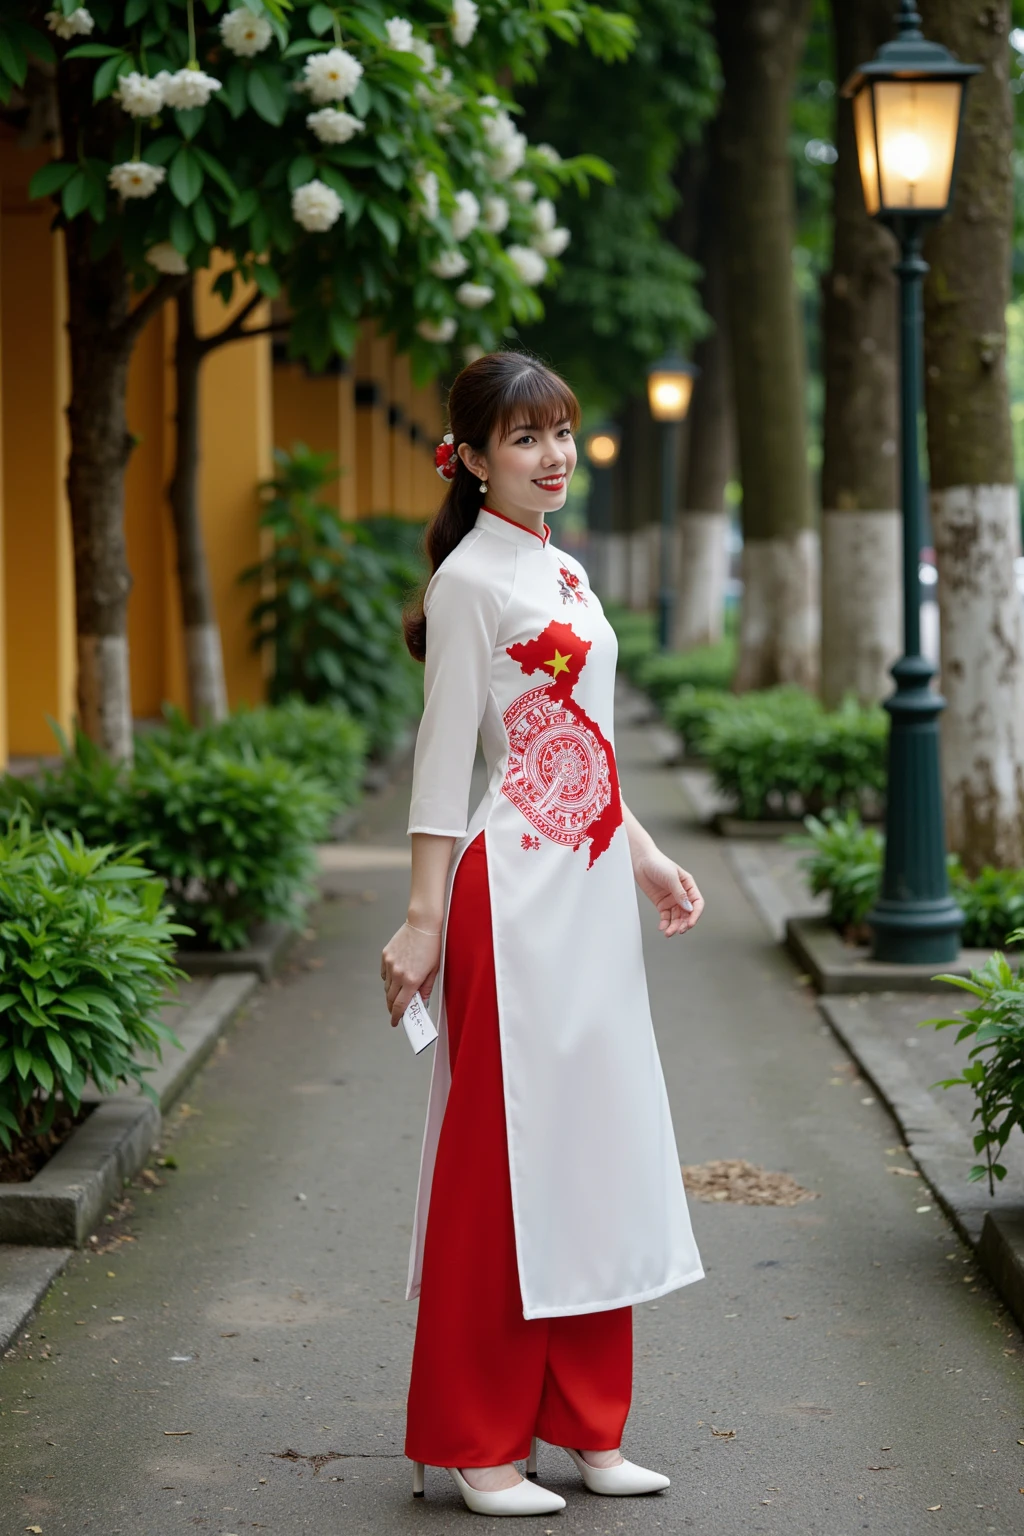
point(672, 890)
point(411, 956)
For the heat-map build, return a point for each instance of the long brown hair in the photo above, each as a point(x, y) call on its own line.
point(487, 396)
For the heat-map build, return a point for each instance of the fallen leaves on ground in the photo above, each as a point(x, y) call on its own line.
point(907, 1173)
point(738, 1182)
point(723, 1434)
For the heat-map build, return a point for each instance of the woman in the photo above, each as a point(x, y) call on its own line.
point(550, 1194)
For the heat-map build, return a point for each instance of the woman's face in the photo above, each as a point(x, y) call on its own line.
point(527, 469)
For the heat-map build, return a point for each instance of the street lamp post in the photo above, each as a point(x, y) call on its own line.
point(669, 389)
point(602, 449)
point(907, 109)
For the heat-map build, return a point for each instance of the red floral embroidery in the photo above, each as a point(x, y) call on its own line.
point(561, 772)
point(530, 843)
point(570, 586)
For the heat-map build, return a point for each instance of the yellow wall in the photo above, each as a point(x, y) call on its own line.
point(373, 435)
point(319, 410)
point(39, 582)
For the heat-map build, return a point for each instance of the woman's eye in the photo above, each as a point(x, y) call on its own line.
point(526, 439)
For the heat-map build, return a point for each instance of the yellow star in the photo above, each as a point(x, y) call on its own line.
point(558, 662)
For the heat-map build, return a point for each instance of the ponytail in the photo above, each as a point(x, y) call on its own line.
point(448, 527)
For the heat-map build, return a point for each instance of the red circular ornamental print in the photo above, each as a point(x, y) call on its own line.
point(558, 772)
point(561, 769)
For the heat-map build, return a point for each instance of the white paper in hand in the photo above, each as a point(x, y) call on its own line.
point(419, 1026)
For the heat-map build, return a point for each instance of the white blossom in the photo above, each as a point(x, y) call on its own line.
point(400, 34)
point(474, 295)
point(167, 258)
point(429, 189)
point(465, 15)
point(334, 127)
point(490, 103)
point(531, 268)
point(424, 51)
point(522, 190)
point(140, 95)
point(187, 88)
point(473, 353)
point(466, 216)
point(134, 178)
point(79, 24)
point(509, 159)
point(450, 263)
point(440, 331)
point(548, 152)
point(543, 215)
point(316, 206)
point(495, 214)
point(245, 34)
point(333, 75)
point(551, 242)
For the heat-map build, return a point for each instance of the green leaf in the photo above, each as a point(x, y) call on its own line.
point(134, 11)
point(50, 178)
point(186, 176)
point(106, 76)
point(183, 235)
point(76, 194)
point(344, 334)
point(266, 280)
point(202, 217)
point(92, 51)
point(13, 59)
point(243, 208)
point(320, 19)
point(301, 170)
point(43, 1073)
point(215, 171)
point(59, 1051)
point(23, 1061)
point(267, 96)
point(386, 223)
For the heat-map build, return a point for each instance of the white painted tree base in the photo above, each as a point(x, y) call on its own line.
point(861, 604)
point(977, 539)
point(780, 620)
point(207, 689)
point(702, 567)
point(104, 694)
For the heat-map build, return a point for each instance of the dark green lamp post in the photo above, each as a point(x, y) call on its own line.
point(669, 390)
point(907, 110)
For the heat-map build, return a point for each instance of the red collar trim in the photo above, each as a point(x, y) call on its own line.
point(543, 538)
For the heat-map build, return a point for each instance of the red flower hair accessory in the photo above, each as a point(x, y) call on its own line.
point(446, 460)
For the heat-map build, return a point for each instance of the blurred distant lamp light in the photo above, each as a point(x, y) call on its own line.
point(669, 387)
point(602, 447)
point(907, 107)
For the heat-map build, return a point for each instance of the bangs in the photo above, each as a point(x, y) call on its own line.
point(536, 397)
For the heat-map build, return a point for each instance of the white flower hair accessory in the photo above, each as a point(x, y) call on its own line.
point(316, 206)
point(244, 34)
point(135, 178)
point(79, 24)
point(334, 127)
point(140, 95)
point(333, 75)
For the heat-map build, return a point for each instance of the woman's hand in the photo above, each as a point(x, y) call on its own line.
point(409, 964)
point(672, 890)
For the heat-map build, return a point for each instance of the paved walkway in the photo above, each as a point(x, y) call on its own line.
point(242, 1364)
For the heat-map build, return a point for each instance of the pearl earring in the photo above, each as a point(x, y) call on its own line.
point(483, 487)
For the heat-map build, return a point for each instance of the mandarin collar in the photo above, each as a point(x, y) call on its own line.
point(508, 528)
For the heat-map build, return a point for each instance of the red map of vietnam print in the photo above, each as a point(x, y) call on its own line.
point(561, 771)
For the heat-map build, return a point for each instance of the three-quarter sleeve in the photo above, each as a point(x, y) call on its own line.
point(463, 612)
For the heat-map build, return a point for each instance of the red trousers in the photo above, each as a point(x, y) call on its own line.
point(484, 1379)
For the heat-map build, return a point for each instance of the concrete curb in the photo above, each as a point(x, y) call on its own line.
point(41, 1222)
point(270, 943)
point(835, 966)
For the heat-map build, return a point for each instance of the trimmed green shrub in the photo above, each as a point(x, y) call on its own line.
point(995, 1074)
point(635, 634)
point(662, 673)
point(845, 858)
point(780, 757)
point(691, 711)
point(322, 739)
point(232, 834)
point(85, 960)
point(330, 604)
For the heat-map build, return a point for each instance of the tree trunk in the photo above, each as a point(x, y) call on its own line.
point(760, 45)
point(204, 659)
point(975, 509)
point(704, 523)
point(98, 301)
point(861, 531)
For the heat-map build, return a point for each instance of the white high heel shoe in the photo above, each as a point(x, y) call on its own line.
point(525, 1498)
point(622, 1481)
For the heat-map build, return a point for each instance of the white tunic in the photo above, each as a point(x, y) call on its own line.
point(519, 649)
